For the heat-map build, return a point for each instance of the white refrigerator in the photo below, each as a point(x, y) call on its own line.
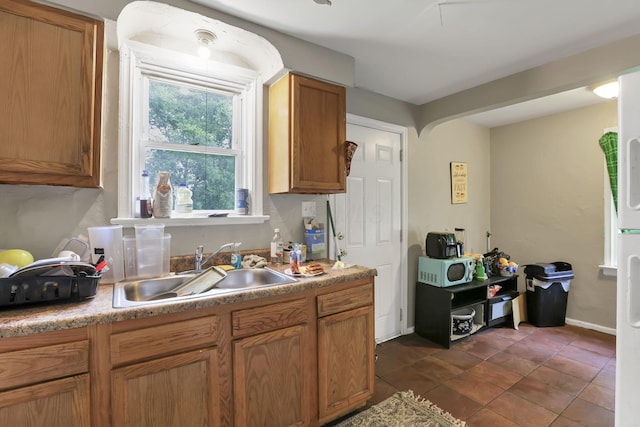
point(627, 409)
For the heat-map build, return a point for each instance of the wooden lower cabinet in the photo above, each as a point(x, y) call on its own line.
point(180, 390)
point(44, 380)
point(58, 403)
point(346, 349)
point(300, 359)
point(345, 362)
point(272, 382)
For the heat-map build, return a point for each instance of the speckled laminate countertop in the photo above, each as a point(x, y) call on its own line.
point(25, 319)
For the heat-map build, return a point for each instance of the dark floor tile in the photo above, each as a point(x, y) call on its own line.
point(387, 363)
point(521, 411)
point(436, 369)
point(415, 340)
point(458, 405)
point(606, 377)
point(565, 422)
point(585, 356)
point(486, 417)
point(535, 352)
point(383, 390)
point(611, 363)
point(544, 341)
point(558, 376)
point(524, 330)
point(515, 363)
point(561, 381)
point(409, 378)
point(572, 367)
point(541, 394)
point(477, 348)
point(561, 334)
point(589, 415)
point(494, 373)
point(596, 344)
point(599, 395)
point(494, 339)
point(461, 359)
point(480, 390)
point(403, 353)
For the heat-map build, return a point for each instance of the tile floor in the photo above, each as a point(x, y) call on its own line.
point(553, 376)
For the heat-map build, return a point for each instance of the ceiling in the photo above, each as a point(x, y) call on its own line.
point(421, 50)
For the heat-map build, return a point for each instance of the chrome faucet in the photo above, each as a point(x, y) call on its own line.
point(200, 249)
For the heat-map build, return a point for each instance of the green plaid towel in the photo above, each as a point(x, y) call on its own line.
point(609, 144)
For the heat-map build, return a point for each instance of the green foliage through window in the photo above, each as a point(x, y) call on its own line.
point(190, 134)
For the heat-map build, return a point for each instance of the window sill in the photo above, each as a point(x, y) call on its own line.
point(609, 270)
point(193, 221)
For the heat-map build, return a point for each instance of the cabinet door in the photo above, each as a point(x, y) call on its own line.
point(51, 86)
point(307, 136)
point(319, 136)
point(272, 378)
point(346, 357)
point(60, 403)
point(177, 391)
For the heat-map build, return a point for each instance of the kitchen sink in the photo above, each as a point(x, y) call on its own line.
point(161, 290)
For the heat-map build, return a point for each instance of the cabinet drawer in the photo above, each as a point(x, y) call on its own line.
point(34, 365)
point(269, 317)
point(163, 339)
point(348, 299)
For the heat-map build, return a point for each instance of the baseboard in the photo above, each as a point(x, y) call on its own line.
point(572, 322)
point(586, 325)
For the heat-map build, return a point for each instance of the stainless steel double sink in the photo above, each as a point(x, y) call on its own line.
point(159, 290)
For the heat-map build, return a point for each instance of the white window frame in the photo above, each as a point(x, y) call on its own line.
point(137, 59)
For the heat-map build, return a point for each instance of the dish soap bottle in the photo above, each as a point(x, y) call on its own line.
point(276, 248)
point(162, 200)
point(184, 202)
point(236, 258)
point(146, 208)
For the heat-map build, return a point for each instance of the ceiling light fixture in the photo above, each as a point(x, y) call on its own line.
point(205, 39)
point(607, 90)
point(327, 2)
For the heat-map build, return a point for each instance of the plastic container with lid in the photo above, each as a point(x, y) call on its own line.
point(184, 201)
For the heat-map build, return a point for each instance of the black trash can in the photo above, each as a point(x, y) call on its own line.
point(547, 292)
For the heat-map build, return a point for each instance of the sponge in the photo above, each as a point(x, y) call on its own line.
point(226, 267)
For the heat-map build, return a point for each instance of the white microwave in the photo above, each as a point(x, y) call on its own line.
point(445, 272)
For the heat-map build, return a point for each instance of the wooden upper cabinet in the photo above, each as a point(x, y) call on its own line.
point(307, 136)
point(51, 63)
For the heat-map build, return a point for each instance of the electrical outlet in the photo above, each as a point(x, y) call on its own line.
point(308, 209)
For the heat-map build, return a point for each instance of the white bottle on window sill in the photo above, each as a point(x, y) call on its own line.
point(184, 201)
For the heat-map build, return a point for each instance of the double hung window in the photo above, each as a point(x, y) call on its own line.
point(193, 118)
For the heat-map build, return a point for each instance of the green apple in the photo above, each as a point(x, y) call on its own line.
point(16, 257)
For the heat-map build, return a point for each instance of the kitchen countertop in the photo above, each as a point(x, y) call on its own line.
point(31, 319)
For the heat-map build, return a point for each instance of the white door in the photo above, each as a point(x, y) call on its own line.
point(370, 215)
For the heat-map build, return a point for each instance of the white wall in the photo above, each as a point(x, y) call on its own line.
point(547, 188)
point(430, 207)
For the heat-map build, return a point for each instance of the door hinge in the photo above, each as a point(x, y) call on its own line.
point(401, 156)
point(401, 315)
